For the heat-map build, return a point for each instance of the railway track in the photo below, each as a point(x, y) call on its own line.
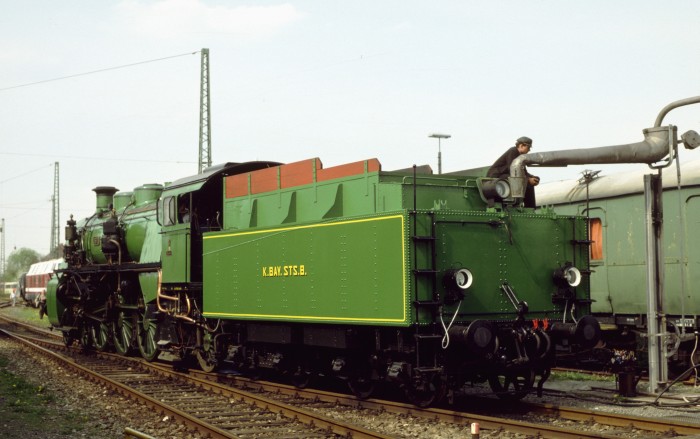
point(202, 406)
point(226, 406)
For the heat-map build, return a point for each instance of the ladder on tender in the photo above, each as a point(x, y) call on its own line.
point(425, 278)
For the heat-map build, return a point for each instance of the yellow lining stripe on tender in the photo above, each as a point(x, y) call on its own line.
point(273, 316)
point(310, 226)
point(284, 229)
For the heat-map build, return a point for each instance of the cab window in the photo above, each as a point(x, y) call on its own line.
point(183, 210)
point(169, 211)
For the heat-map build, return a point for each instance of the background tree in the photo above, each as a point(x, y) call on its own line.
point(18, 262)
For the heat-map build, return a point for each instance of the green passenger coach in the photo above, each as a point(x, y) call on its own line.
point(616, 211)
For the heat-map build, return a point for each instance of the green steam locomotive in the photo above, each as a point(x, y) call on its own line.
point(425, 281)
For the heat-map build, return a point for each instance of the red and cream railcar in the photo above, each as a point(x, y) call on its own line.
point(38, 276)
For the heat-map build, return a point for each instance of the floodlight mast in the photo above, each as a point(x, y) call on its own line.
point(439, 137)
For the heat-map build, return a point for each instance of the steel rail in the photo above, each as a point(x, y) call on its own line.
point(303, 416)
point(618, 420)
point(214, 383)
point(128, 392)
point(288, 410)
point(487, 422)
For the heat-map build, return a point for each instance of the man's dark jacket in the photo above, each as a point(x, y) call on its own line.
point(501, 169)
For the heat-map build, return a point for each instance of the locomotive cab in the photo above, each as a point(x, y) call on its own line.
point(188, 208)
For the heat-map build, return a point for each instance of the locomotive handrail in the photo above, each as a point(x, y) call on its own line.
point(102, 268)
point(158, 211)
point(405, 179)
point(485, 221)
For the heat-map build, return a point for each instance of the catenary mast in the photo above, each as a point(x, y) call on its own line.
point(55, 215)
point(2, 247)
point(204, 115)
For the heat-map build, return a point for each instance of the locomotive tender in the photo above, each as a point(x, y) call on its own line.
point(426, 281)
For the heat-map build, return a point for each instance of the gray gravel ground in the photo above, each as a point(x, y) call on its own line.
point(108, 415)
point(679, 401)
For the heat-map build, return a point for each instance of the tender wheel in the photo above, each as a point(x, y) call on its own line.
point(122, 330)
point(206, 355)
point(361, 387)
point(100, 335)
point(512, 385)
point(425, 391)
point(301, 378)
point(146, 337)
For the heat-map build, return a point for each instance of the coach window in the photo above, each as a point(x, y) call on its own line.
point(596, 229)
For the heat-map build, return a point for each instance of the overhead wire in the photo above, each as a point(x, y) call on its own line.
point(26, 173)
point(86, 157)
point(98, 71)
point(84, 74)
point(77, 157)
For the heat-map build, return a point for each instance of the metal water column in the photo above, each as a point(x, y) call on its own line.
point(656, 318)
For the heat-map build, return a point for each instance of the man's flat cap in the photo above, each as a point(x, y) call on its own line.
point(525, 140)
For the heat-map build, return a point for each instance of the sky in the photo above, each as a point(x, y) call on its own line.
point(339, 80)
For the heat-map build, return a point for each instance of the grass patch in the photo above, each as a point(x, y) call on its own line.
point(579, 376)
point(19, 396)
point(31, 409)
point(25, 314)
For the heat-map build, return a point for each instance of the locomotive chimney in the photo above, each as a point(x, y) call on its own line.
point(659, 142)
point(105, 198)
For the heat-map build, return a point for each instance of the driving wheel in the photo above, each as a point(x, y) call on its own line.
point(146, 336)
point(122, 330)
point(206, 354)
point(100, 335)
